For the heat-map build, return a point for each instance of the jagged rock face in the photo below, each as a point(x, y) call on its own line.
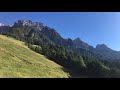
point(23, 23)
point(34, 25)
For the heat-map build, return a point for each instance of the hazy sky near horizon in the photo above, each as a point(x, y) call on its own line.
point(91, 27)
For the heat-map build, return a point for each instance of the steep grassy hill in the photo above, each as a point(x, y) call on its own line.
point(18, 61)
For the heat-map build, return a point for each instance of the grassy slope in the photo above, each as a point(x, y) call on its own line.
point(18, 61)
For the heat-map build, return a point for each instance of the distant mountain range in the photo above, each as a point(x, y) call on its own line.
point(39, 32)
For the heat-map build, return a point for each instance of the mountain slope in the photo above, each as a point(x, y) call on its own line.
point(18, 61)
point(54, 36)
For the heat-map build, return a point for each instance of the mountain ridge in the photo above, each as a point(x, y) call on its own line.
point(76, 45)
point(29, 23)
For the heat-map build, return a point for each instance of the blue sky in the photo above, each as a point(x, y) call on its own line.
point(91, 27)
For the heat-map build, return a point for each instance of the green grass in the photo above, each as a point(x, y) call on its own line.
point(18, 61)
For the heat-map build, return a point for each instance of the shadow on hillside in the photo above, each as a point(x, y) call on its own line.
point(74, 74)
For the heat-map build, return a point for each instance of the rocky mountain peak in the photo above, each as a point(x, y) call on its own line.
point(102, 47)
point(34, 25)
point(77, 39)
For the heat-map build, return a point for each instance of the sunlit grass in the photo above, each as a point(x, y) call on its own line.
point(18, 61)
